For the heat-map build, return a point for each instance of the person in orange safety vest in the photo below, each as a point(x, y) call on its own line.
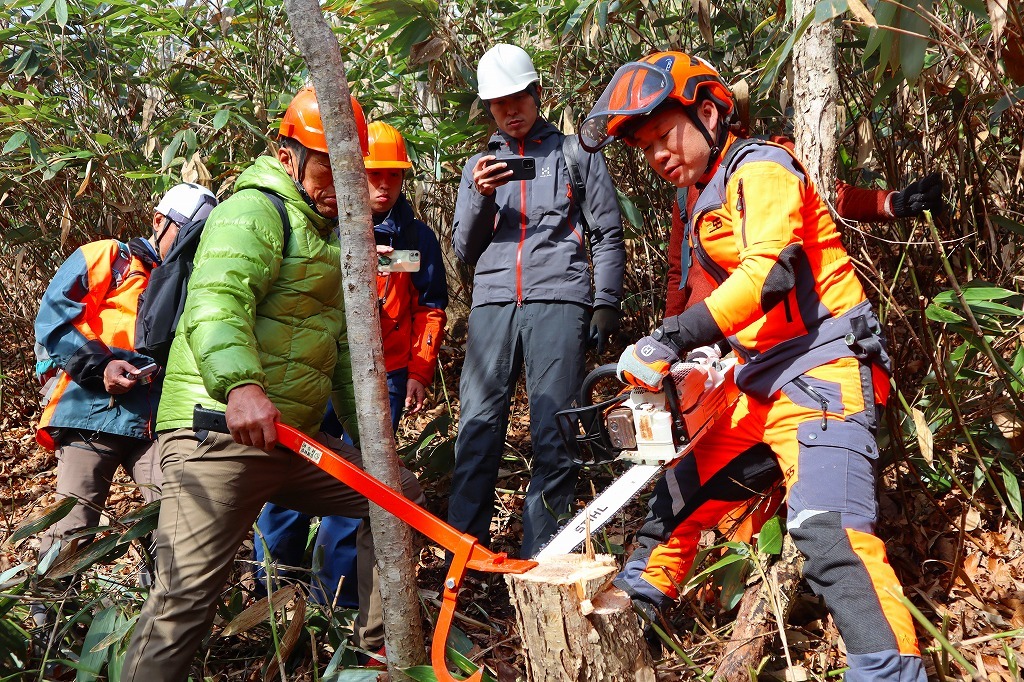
point(99, 410)
point(813, 373)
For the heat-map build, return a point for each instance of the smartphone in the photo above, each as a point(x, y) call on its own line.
point(399, 261)
point(522, 167)
point(145, 374)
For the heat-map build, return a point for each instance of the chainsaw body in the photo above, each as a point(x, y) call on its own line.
point(641, 427)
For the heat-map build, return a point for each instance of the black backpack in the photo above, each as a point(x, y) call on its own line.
point(163, 301)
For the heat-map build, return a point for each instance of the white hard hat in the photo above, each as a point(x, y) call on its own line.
point(187, 202)
point(504, 70)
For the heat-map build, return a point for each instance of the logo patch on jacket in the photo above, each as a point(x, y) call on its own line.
point(716, 224)
point(545, 172)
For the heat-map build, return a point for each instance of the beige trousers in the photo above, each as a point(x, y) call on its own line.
point(213, 491)
point(86, 464)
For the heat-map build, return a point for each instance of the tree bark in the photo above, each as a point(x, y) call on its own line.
point(756, 622)
point(392, 538)
point(815, 100)
point(575, 626)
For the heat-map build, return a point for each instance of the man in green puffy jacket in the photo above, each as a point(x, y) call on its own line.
point(263, 338)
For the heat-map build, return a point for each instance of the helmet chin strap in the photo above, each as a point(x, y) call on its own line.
point(714, 146)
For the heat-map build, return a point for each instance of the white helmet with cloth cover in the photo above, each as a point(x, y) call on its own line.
point(186, 202)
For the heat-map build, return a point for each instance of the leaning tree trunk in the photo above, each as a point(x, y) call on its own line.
point(815, 99)
point(393, 538)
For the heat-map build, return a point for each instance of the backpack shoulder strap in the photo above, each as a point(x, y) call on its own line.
point(571, 152)
point(282, 211)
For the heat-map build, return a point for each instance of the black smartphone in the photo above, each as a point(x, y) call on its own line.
point(522, 167)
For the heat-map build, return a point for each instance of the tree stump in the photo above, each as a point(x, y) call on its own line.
point(575, 626)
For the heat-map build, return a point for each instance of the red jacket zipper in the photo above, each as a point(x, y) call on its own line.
point(522, 232)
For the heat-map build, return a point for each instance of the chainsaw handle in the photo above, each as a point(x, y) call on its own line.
point(586, 389)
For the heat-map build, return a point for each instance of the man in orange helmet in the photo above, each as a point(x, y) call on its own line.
point(262, 337)
point(412, 319)
point(814, 371)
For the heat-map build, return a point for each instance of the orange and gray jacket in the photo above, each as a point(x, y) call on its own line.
point(787, 297)
point(412, 304)
point(86, 319)
point(526, 240)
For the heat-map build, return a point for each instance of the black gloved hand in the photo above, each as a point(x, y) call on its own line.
point(921, 195)
point(603, 323)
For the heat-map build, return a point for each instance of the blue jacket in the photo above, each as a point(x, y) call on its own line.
point(86, 319)
point(412, 304)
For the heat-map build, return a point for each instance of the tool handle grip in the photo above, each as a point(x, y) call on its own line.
point(204, 419)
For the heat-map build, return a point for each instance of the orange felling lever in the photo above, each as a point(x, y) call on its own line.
point(467, 551)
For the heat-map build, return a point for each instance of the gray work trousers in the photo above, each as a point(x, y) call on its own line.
point(549, 340)
point(86, 464)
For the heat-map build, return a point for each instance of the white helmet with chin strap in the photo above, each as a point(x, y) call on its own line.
point(504, 70)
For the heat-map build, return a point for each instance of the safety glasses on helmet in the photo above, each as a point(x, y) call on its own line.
point(638, 88)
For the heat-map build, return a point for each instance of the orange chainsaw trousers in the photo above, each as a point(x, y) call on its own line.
point(818, 435)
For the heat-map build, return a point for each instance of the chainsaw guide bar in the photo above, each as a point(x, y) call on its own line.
point(651, 431)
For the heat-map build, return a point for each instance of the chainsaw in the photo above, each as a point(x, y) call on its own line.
point(647, 431)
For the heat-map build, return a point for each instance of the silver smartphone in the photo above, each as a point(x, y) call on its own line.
point(399, 260)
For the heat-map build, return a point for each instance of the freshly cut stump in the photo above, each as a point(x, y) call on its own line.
point(577, 627)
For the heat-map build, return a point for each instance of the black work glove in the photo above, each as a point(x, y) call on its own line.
point(603, 323)
point(921, 195)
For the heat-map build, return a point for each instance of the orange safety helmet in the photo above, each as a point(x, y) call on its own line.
point(302, 122)
point(387, 148)
point(638, 88)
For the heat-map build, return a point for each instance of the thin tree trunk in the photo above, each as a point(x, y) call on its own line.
point(815, 125)
point(815, 100)
point(392, 537)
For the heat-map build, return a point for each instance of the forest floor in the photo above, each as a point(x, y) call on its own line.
point(961, 565)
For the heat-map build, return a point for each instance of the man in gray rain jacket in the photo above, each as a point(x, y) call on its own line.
point(533, 302)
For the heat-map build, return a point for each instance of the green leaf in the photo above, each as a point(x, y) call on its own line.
point(43, 8)
point(84, 558)
point(721, 563)
point(986, 293)
point(937, 314)
point(629, 210)
point(1012, 489)
point(1005, 103)
point(885, 13)
point(46, 518)
point(93, 655)
point(421, 673)
point(769, 540)
point(827, 10)
point(17, 139)
point(22, 62)
point(732, 580)
point(913, 48)
point(62, 12)
point(1003, 221)
point(171, 150)
point(780, 55)
point(221, 118)
point(975, 7)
